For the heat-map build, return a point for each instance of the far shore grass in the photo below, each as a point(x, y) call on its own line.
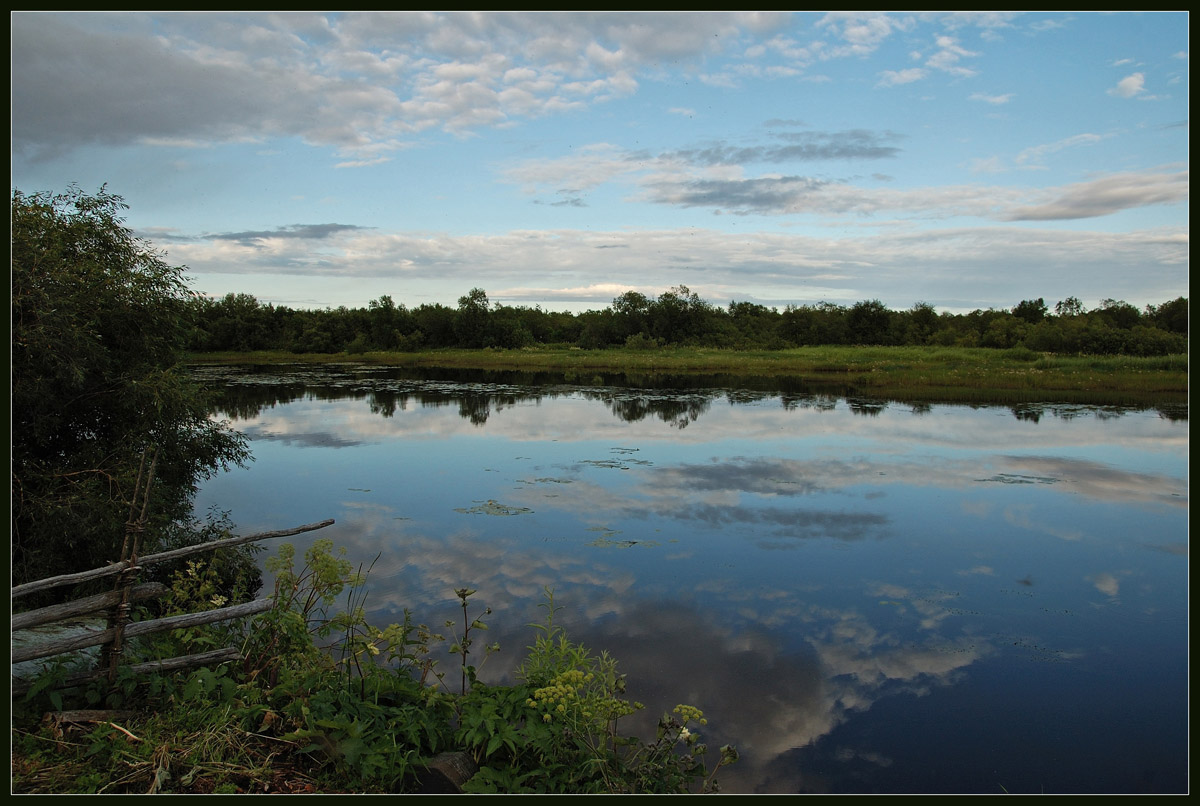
point(949, 374)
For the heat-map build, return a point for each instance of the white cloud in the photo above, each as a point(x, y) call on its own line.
point(948, 55)
point(1033, 156)
point(715, 177)
point(956, 268)
point(593, 165)
point(1044, 24)
point(1104, 196)
point(892, 78)
point(995, 100)
point(1129, 86)
point(862, 33)
point(987, 165)
point(1107, 584)
point(350, 81)
point(365, 163)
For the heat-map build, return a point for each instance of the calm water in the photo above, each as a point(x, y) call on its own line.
point(862, 596)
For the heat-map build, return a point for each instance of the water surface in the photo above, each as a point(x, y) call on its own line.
point(862, 595)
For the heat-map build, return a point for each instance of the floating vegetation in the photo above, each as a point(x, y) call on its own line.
point(957, 611)
point(1040, 654)
point(1017, 478)
point(604, 542)
point(358, 489)
point(492, 507)
point(615, 464)
point(610, 463)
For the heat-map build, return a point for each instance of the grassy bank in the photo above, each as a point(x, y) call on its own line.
point(323, 701)
point(951, 374)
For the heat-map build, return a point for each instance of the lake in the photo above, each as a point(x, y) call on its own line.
point(861, 595)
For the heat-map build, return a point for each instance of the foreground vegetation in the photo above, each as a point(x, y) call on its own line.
point(326, 702)
point(946, 374)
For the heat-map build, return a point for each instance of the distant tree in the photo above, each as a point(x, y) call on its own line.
point(508, 329)
point(471, 324)
point(922, 323)
point(832, 322)
point(238, 322)
point(384, 320)
point(99, 324)
point(1170, 316)
point(1068, 307)
point(869, 322)
point(1031, 310)
point(678, 316)
point(1118, 313)
point(436, 323)
point(600, 329)
point(1003, 330)
point(754, 325)
point(632, 310)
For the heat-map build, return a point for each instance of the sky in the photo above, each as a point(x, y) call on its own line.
point(964, 160)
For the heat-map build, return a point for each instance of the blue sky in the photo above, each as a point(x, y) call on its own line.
point(559, 159)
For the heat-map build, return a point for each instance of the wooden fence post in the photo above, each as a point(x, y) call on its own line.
point(119, 615)
point(117, 601)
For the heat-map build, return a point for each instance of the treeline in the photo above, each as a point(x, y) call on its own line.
point(679, 317)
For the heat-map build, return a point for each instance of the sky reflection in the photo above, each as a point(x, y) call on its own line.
point(797, 571)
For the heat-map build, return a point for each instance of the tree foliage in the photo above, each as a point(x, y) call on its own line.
point(679, 317)
point(99, 323)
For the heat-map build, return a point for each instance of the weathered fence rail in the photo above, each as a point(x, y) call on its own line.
point(116, 604)
point(151, 559)
point(81, 607)
point(138, 628)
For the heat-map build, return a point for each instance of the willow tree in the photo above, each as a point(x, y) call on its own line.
point(99, 323)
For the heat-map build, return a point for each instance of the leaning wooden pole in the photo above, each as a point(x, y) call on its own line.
point(150, 559)
point(139, 628)
point(81, 607)
point(134, 527)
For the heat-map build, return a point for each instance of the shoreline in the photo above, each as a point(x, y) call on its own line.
point(925, 374)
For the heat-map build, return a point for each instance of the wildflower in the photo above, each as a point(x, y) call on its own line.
point(218, 600)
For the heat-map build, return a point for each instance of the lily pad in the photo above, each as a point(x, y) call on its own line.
point(492, 507)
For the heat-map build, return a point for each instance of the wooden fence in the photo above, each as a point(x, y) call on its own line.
point(117, 604)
